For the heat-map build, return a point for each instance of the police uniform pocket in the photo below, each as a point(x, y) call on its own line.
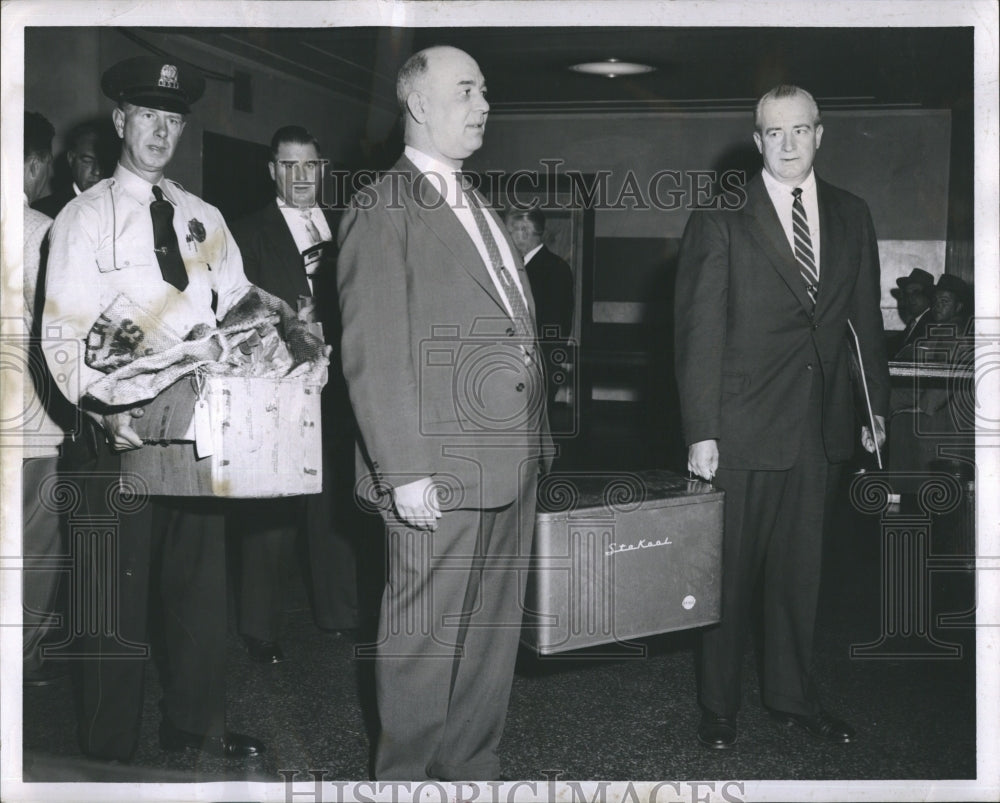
point(119, 257)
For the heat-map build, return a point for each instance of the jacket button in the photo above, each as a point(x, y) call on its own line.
point(815, 326)
point(510, 332)
point(519, 387)
point(809, 366)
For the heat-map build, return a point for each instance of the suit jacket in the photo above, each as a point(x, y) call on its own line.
point(911, 334)
point(436, 375)
point(52, 205)
point(552, 286)
point(748, 341)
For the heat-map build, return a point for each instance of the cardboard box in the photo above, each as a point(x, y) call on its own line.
point(265, 438)
point(622, 556)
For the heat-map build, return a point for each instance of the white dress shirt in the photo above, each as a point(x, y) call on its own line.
point(297, 225)
point(782, 198)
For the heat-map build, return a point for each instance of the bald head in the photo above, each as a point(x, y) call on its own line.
point(442, 94)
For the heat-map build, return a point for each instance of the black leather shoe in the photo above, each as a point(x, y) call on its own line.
point(822, 725)
point(263, 652)
point(716, 731)
point(228, 745)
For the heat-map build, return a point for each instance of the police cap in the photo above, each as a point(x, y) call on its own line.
point(156, 83)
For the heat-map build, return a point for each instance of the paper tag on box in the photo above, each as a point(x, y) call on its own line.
point(202, 429)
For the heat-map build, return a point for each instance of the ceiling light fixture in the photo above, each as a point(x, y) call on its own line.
point(612, 68)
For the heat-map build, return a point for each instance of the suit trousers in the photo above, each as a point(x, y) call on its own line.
point(267, 531)
point(773, 533)
point(448, 639)
point(170, 549)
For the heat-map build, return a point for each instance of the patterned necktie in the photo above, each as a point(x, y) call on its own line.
point(523, 323)
point(311, 230)
point(803, 245)
point(168, 254)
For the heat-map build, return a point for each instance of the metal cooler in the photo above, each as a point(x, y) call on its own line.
point(620, 556)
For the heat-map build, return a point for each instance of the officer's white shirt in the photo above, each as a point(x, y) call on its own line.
point(102, 245)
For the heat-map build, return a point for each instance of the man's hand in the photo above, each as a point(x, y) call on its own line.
point(417, 503)
point(866, 435)
point(119, 432)
point(703, 459)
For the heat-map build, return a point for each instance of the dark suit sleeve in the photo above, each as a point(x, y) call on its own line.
point(700, 312)
point(866, 316)
point(376, 351)
point(248, 240)
point(563, 281)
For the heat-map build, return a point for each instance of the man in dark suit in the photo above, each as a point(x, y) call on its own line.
point(442, 368)
point(552, 286)
point(288, 250)
point(913, 293)
point(764, 296)
point(84, 159)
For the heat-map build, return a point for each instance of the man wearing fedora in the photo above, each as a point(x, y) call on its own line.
point(913, 295)
point(139, 235)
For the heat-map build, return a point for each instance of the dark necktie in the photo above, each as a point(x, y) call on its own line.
point(803, 245)
point(168, 253)
point(523, 323)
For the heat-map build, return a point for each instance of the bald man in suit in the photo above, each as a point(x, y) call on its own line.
point(764, 296)
point(433, 298)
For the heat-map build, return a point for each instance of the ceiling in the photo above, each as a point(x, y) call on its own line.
point(697, 68)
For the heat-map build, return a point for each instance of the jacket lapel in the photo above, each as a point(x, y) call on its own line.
point(441, 220)
point(282, 243)
point(767, 231)
point(832, 230)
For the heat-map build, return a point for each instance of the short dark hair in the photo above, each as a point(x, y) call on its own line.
point(292, 134)
point(80, 133)
point(414, 67)
point(533, 215)
point(38, 133)
point(785, 91)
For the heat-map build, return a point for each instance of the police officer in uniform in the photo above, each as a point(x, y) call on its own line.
point(170, 253)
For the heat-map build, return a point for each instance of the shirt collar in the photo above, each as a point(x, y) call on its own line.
point(138, 188)
point(532, 252)
point(438, 172)
point(775, 187)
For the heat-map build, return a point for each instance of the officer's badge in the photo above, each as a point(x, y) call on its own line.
point(168, 77)
point(196, 230)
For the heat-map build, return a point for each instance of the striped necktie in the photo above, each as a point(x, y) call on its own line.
point(803, 246)
point(523, 323)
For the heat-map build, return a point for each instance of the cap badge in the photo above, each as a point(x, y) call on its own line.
point(168, 77)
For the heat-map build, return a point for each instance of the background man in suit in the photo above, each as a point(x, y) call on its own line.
point(913, 294)
point(41, 529)
point(764, 295)
point(552, 286)
point(288, 250)
point(434, 298)
point(84, 159)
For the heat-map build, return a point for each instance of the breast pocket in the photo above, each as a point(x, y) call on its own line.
point(118, 256)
